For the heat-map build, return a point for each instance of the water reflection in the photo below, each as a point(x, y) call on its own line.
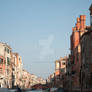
point(35, 91)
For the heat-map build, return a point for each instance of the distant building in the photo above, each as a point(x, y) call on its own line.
point(57, 67)
point(26, 79)
point(60, 66)
point(12, 72)
point(29, 80)
point(60, 70)
point(16, 69)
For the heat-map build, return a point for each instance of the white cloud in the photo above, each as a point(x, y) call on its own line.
point(46, 48)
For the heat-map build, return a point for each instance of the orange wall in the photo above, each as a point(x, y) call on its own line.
point(57, 72)
point(76, 39)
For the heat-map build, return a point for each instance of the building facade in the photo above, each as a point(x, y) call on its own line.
point(5, 54)
point(16, 70)
point(77, 32)
point(86, 56)
point(60, 70)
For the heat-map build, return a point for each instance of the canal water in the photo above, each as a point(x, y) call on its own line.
point(35, 91)
point(29, 91)
point(60, 90)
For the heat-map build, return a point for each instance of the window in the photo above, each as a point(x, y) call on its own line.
point(1, 61)
point(8, 61)
point(63, 63)
point(19, 59)
point(5, 48)
point(8, 50)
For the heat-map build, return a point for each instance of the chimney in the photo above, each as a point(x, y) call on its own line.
point(90, 9)
point(78, 24)
point(82, 22)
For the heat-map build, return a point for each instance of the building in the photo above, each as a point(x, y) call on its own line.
point(60, 66)
point(12, 72)
point(68, 73)
point(86, 56)
point(77, 32)
point(5, 56)
point(63, 62)
point(10, 67)
point(16, 70)
point(60, 70)
point(2, 70)
point(26, 79)
point(63, 71)
point(29, 80)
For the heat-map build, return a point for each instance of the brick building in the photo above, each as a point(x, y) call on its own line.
point(86, 56)
point(77, 32)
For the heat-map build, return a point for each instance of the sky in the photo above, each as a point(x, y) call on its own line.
point(39, 30)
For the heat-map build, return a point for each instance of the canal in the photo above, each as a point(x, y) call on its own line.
point(35, 91)
point(28, 91)
point(14, 90)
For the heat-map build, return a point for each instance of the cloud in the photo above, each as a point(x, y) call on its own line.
point(46, 50)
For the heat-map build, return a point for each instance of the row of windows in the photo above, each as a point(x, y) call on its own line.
point(7, 50)
point(8, 61)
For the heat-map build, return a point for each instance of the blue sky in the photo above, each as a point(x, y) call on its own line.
point(39, 30)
